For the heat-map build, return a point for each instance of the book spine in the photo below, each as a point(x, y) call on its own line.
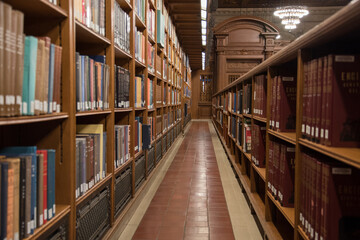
point(4, 198)
point(7, 56)
point(19, 63)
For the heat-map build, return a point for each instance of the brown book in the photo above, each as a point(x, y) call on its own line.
point(342, 120)
point(323, 100)
point(288, 194)
point(269, 174)
point(19, 65)
point(273, 102)
point(305, 100)
point(302, 192)
point(45, 69)
point(318, 190)
point(11, 99)
point(313, 102)
point(40, 189)
point(276, 164)
point(7, 60)
point(318, 98)
point(2, 76)
point(39, 77)
point(57, 79)
point(286, 104)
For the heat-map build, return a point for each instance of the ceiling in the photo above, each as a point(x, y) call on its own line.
point(187, 20)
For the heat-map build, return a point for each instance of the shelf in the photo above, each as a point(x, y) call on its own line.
point(159, 106)
point(152, 5)
point(139, 64)
point(349, 156)
point(32, 119)
point(260, 119)
point(151, 39)
point(247, 115)
point(119, 169)
point(140, 109)
point(125, 5)
point(61, 212)
point(289, 213)
point(119, 53)
point(302, 233)
point(118, 110)
point(248, 156)
point(98, 185)
point(138, 154)
point(158, 137)
point(38, 8)
point(151, 109)
point(87, 35)
point(92, 113)
point(260, 171)
point(289, 137)
point(139, 23)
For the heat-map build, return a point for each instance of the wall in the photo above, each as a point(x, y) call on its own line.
point(198, 110)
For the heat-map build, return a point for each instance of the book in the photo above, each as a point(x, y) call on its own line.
point(4, 198)
point(146, 136)
point(19, 65)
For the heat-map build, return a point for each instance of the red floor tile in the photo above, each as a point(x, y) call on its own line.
point(190, 202)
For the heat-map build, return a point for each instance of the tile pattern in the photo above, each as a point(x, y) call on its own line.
point(190, 202)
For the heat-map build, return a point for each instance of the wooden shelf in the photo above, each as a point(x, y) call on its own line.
point(302, 233)
point(151, 73)
point(349, 156)
point(38, 8)
point(61, 212)
point(119, 110)
point(151, 109)
point(151, 39)
point(32, 119)
point(248, 156)
point(139, 64)
point(87, 35)
point(247, 115)
point(260, 171)
point(122, 167)
point(260, 119)
point(152, 5)
point(125, 5)
point(289, 137)
point(289, 213)
point(97, 186)
point(140, 109)
point(92, 113)
point(139, 23)
point(121, 54)
point(138, 154)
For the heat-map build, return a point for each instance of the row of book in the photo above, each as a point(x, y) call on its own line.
point(91, 13)
point(281, 172)
point(140, 46)
point(140, 9)
point(143, 134)
point(31, 68)
point(139, 91)
point(151, 21)
point(90, 156)
point(283, 104)
point(329, 198)
point(92, 82)
point(122, 87)
point(151, 57)
point(122, 28)
point(331, 86)
point(259, 108)
point(234, 101)
point(122, 144)
point(258, 133)
point(27, 199)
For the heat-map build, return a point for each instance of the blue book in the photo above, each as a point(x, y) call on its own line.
point(99, 58)
point(27, 151)
point(25, 92)
point(51, 183)
point(146, 136)
point(51, 77)
point(4, 199)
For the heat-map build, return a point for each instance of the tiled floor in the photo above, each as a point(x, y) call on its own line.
point(185, 199)
point(190, 202)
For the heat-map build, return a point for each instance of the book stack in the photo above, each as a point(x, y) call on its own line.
point(92, 83)
point(151, 22)
point(259, 108)
point(32, 66)
point(138, 134)
point(122, 28)
point(140, 9)
point(247, 136)
point(258, 145)
point(158, 125)
point(91, 14)
point(139, 91)
point(281, 172)
point(151, 57)
point(122, 87)
point(158, 95)
point(331, 82)
point(150, 94)
point(90, 156)
point(27, 190)
point(139, 46)
point(247, 98)
point(329, 198)
point(122, 144)
point(283, 104)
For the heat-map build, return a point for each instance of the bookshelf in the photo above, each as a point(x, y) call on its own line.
point(64, 25)
point(276, 220)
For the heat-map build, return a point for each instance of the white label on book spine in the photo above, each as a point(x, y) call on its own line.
point(326, 134)
point(45, 214)
point(16, 236)
point(41, 107)
point(45, 106)
point(41, 220)
point(322, 133)
point(58, 108)
point(50, 214)
point(344, 58)
point(37, 105)
point(54, 106)
point(277, 124)
point(312, 131)
point(32, 107)
point(18, 101)
point(28, 227)
point(54, 209)
point(317, 132)
point(78, 107)
point(341, 171)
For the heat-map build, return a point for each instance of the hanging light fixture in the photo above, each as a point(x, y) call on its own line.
point(290, 15)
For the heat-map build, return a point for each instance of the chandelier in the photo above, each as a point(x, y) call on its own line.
point(290, 15)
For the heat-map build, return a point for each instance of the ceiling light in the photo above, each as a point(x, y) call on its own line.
point(291, 15)
point(278, 36)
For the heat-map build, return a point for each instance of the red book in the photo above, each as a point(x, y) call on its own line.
point(270, 166)
point(273, 103)
point(318, 98)
point(305, 100)
point(313, 83)
point(276, 175)
point(286, 113)
point(342, 128)
point(323, 101)
point(312, 191)
point(263, 97)
point(302, 192)
point(318, 192)
point(287, 171)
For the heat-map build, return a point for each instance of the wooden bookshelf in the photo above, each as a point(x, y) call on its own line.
point(58, 130)
point(341, 29)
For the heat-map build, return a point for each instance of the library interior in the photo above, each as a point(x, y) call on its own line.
point(179, 119)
